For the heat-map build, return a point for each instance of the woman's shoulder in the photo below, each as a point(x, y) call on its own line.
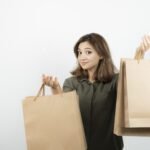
point(115, 77)
point(115, 80)
point(71, 82)
point(112, 84)
point(71, 79)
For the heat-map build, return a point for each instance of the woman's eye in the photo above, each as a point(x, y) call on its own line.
point(88, 52)
point(79, 53)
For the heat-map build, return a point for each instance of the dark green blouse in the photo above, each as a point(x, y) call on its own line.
point(97, 105)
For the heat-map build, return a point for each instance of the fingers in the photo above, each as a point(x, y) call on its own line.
point(145, 44)
point(50, 81)
point(45, 79)
point(55, 83)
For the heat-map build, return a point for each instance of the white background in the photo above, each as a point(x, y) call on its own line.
point(37, 36)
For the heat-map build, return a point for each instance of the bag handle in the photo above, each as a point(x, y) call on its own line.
point(41, 90)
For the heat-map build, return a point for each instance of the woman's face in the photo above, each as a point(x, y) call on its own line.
point(88, 58)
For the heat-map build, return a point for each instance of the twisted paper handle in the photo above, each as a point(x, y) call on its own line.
point(41, 90)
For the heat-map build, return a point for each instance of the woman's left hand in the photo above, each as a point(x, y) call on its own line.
point(145, 44)
point(143, 47)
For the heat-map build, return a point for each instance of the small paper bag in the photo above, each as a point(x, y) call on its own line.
point(53, 122)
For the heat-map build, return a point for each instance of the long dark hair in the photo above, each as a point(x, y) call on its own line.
point(105, 69)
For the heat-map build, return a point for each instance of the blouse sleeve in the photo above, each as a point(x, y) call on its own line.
point(68, 85)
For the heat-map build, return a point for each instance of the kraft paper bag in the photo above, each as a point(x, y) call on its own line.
point(132, 116)
point(53, 122)
point(137, 100)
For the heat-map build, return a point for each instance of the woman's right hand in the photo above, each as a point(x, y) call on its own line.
point(52, 82)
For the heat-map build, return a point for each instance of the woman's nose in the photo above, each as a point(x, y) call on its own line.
point(82, 56)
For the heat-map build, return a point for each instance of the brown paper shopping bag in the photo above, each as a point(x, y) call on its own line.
point(137, 93)
point(53, 122)
point(130, 117)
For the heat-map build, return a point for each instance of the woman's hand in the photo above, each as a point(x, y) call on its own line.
point(50, 81)
point(143, 47)
point(145, 44)
point(53, 83)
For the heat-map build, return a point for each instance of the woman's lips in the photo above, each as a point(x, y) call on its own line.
point(83, 63)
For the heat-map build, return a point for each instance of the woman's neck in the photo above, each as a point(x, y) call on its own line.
point(91, 76)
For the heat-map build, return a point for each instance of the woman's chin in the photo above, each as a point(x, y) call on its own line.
point(84, 67)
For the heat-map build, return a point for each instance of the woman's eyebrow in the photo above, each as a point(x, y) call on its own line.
point(87, 48)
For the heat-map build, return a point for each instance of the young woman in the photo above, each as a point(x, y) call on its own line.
point(95, 81)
